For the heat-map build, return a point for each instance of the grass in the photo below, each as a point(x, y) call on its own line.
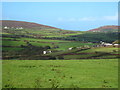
point(99, 49)
point(95, 73)
point(13, 43)
point(11, 49)
point(40, 44)
point(41, 40)
point(63, 44)
point(44, 32)
point(78, 56)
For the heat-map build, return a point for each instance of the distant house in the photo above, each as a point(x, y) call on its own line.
point(44, 52)
point(19, 28)
point(116, 44)
point(105, 44)
point(6, 27)
point(47, 52)
point(108, 44)
point(70, 48)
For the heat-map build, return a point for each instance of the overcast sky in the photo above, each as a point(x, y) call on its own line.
point(80, 16)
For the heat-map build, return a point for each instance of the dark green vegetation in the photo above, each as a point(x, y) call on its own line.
point(89, 73)
point(96, 37)
point(24, 40)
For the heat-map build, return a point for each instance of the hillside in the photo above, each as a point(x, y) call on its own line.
point(26, 40)
point(96, 37)
point(109, 28)
point(33, 29)
point(29, 25)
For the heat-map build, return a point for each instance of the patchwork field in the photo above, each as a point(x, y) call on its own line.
point(12, 46)
point(27, 41)
point(62, 44)
point(41, 56)
point(84, 73)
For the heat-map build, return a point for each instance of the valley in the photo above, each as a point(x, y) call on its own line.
point(18, 38)
point(40, 56)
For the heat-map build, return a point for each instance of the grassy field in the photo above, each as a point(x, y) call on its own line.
point(100, 49)
point(62, 44)
point(84, 73)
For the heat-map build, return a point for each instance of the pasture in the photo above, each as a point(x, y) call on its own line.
point(83, 73)
point(62, 44)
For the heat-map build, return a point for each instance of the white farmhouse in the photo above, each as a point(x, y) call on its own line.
point(21, 28)
point(116, 44)
point(46, 52)
point(70, 48)
point(50, 51)
point(108, 44)
point(6, 27)
point(105, 44)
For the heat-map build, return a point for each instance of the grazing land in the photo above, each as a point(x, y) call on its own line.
point(41, 56)
point(84, 73)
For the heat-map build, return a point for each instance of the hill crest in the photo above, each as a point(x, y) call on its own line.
point(24, 24)
point(108, 28)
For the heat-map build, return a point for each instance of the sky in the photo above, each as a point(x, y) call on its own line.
point(77, 16)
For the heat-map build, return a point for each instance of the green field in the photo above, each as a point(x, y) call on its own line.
point(13, 46)
point(84, 73)
point(62, 44)
point(100, 49)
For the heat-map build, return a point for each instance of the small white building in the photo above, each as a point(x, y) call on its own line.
point(116, 44)
point(105, 44)
point(21, 28)
point(6, 27)
point(44, 52)
point(108, 44)
point(47, 52)
point(50, 51)
point(70, 48)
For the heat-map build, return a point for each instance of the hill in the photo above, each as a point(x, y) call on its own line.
point(33, 29)
point(96, 37)
point(109, 28)
point(26, 40)
point(23, 24)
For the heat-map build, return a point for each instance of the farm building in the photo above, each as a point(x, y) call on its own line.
point(47, 52)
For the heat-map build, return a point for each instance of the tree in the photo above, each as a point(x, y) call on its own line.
point(47, 47)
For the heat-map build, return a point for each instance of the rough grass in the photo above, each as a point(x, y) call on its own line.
point(95, 73)
point(99, 49)
point(11, 49)
point(13, 43)
point(62, 44)
point(65, 46)
point(42, 40)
